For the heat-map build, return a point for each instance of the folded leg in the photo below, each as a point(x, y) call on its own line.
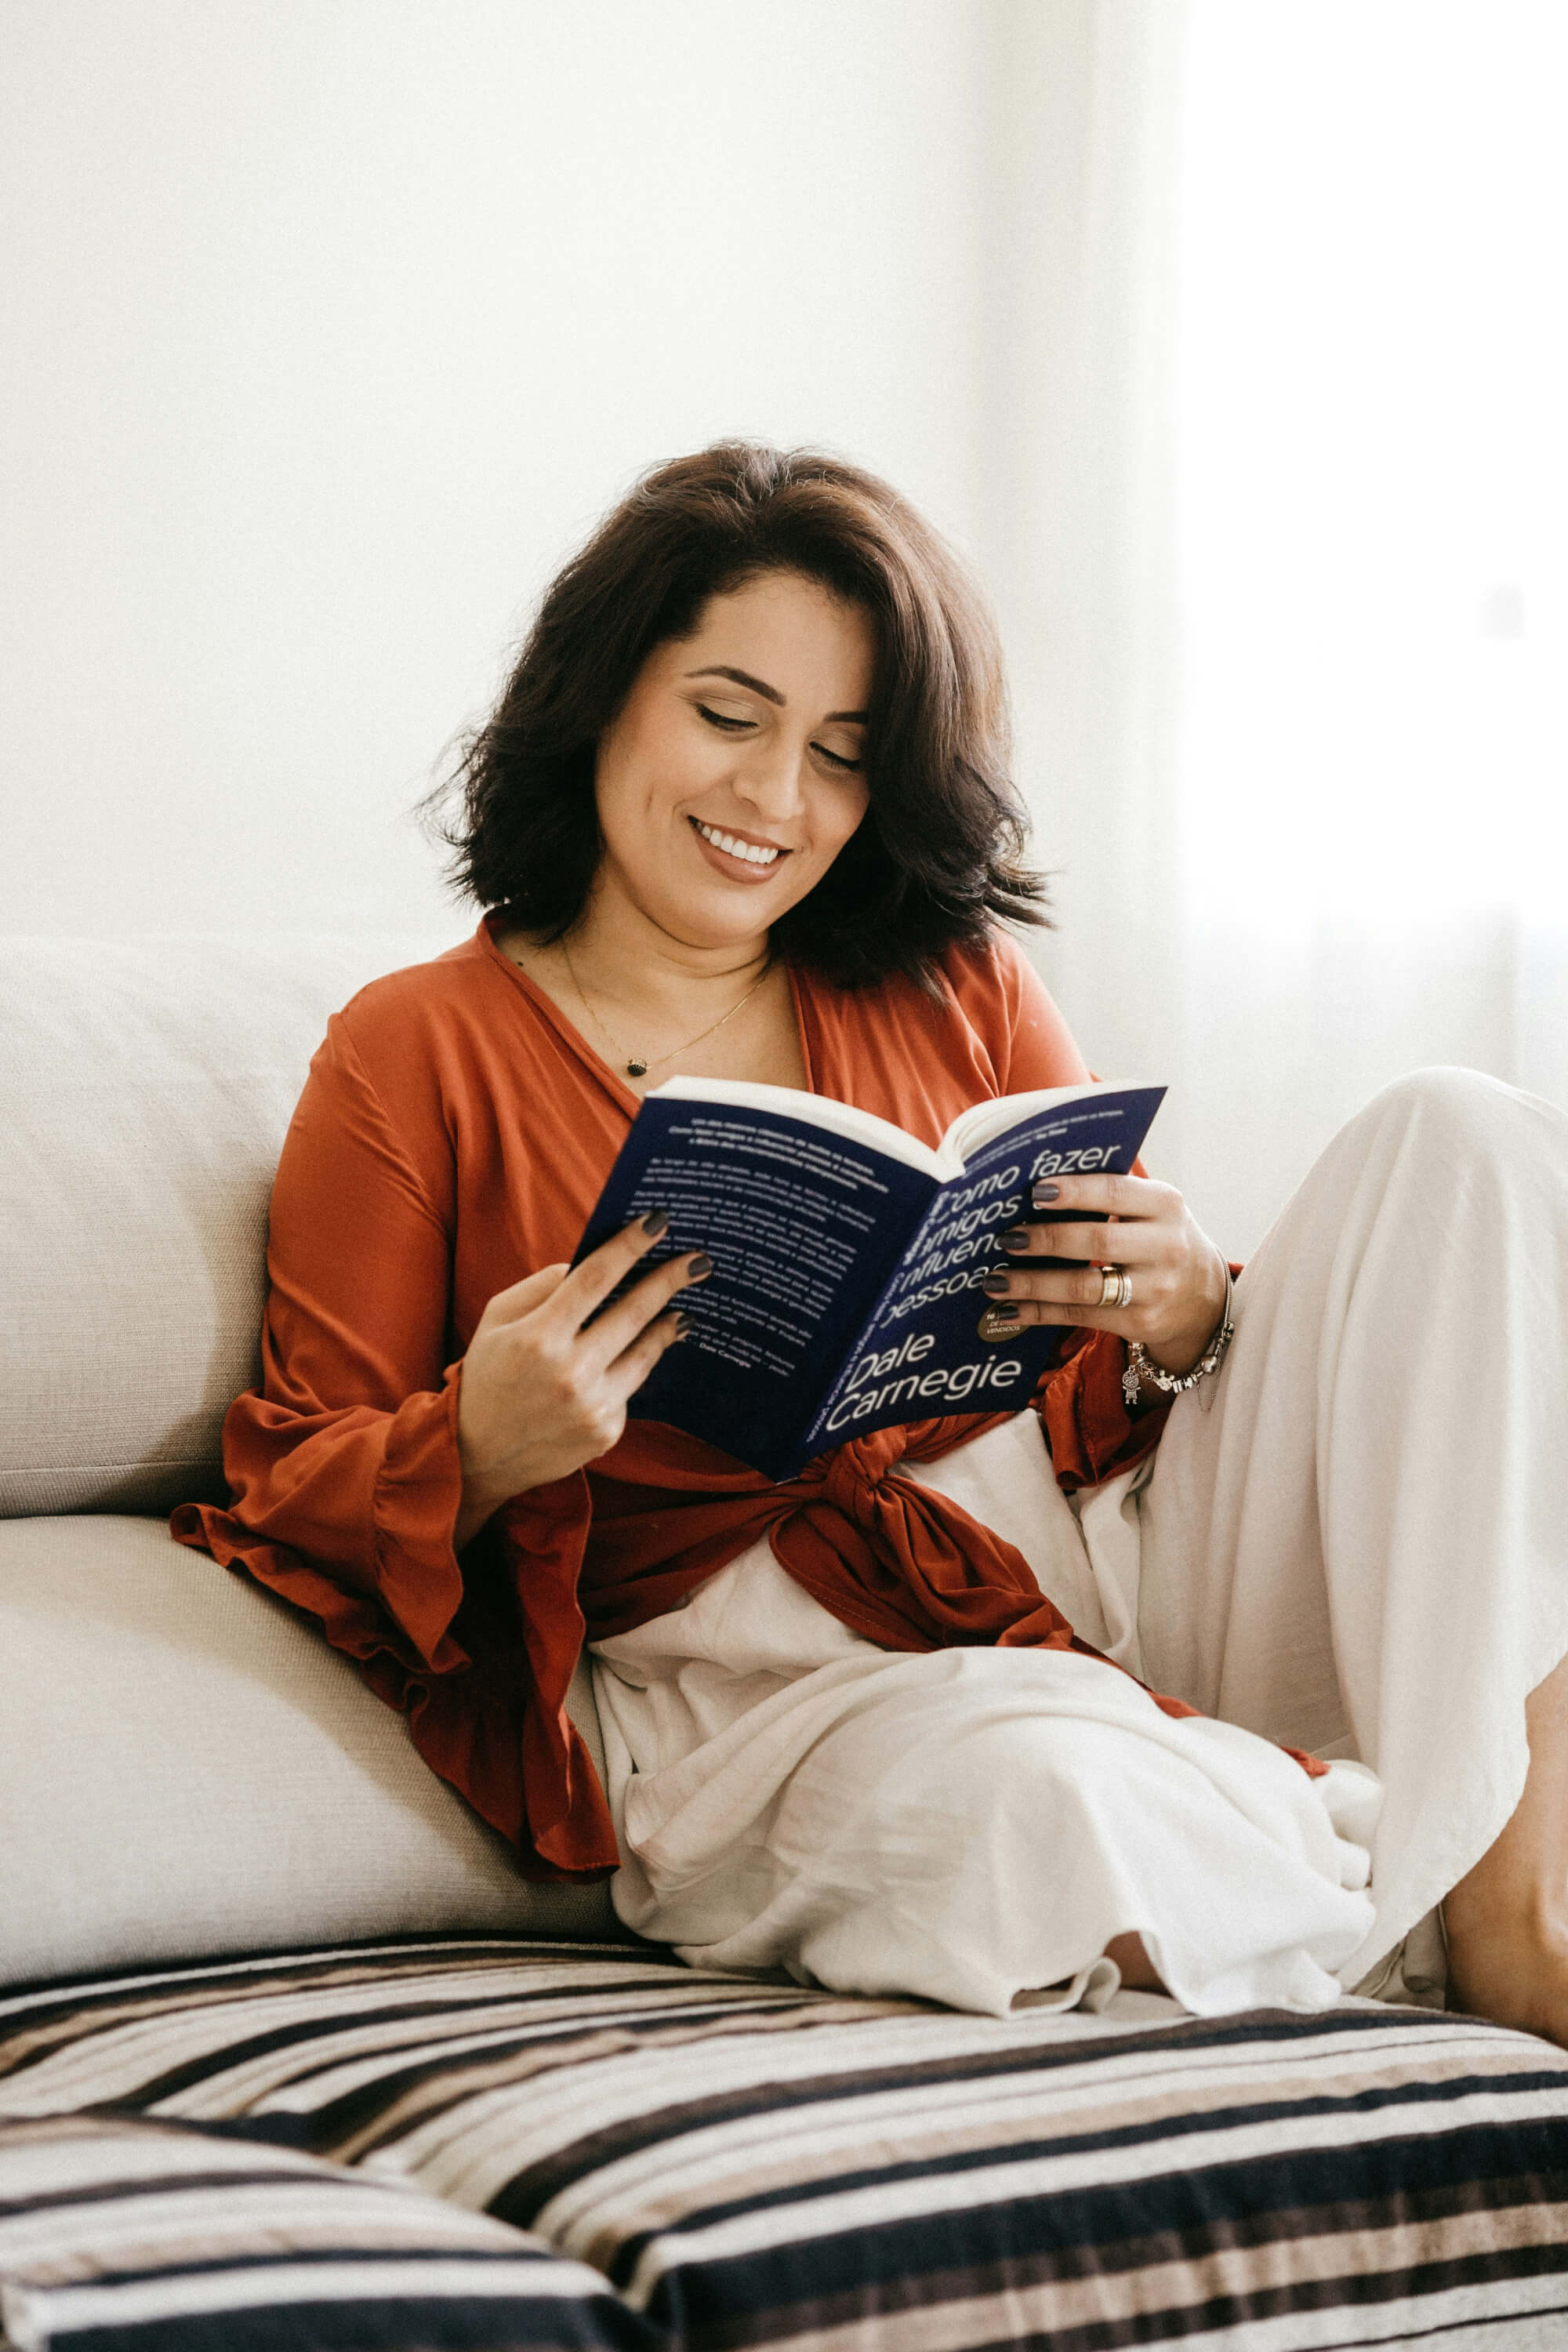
point(1355, 1538)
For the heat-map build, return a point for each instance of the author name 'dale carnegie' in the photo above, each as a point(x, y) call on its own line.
point(953, 1383)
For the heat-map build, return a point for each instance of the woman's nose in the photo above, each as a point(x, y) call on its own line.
point(770, 779)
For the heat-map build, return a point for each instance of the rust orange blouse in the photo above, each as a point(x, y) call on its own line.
point(453, 1135)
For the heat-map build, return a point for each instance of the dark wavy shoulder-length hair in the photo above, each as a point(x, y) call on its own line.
point(940, 854)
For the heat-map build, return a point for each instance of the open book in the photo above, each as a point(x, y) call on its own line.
point(849, 1258)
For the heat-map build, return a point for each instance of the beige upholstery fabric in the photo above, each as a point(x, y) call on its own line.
point(145, 1086)
point(186, 1769)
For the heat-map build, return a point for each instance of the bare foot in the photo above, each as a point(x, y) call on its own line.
point(1507, 1919)
point(1137, 1969)
point(1510, 1967)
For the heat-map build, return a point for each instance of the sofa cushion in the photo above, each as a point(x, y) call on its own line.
point(187, 1768)
point(755, 2163)
point(120, 2236)
point(145, 1087)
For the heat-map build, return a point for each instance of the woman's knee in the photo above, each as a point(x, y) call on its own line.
point(1452, 1110)
point(1445, 1089)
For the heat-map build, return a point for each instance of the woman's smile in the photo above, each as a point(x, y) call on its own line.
point(741, 855)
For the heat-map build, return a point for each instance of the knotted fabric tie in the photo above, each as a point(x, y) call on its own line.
point(893, 1559)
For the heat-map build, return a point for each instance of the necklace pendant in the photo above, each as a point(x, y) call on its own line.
point(636, 1070)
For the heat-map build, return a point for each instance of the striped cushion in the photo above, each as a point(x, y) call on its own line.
point(124, 2236)
point(755, 2163)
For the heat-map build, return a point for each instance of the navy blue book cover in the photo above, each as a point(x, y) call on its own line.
point(846, 1293)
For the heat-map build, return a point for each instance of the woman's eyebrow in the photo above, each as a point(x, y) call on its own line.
point(770, 693)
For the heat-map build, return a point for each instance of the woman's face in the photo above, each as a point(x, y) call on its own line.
point(732, 776)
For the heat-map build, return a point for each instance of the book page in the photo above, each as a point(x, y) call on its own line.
point(803, 1110)
point(1007, 1115)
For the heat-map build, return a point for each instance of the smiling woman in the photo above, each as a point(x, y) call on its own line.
point(743, 812)
point(721, 800)
point(798, 607)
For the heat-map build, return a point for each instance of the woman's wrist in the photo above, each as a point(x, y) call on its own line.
point(477, 1508)
point(1146, 1378)
point(1184, 1348)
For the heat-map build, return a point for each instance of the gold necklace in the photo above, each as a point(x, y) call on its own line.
point(638, 1064)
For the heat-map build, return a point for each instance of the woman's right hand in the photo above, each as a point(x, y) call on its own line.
point(539, 1395)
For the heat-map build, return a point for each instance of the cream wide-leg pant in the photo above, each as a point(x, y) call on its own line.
point(1359, 1542)
point(1355, 1538)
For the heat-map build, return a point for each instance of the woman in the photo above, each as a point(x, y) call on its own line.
point(742, 811)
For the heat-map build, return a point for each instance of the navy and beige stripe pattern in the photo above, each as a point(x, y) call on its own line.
point(755, 2163)
point(120, 2235)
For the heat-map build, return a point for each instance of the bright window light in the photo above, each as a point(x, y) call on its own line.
point(1372, 457)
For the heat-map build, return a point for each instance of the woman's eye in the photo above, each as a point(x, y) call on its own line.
point(730, 726)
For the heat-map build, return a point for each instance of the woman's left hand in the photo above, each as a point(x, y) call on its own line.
point(1178, 1277)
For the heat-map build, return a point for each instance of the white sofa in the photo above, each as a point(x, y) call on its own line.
point(148, 1087)
point(291, 2055)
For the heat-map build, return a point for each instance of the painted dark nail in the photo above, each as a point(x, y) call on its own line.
point(655, 1221)
point(1016, 1237)
point(682, 1325)
point(995, 1285)
point(1001, 1319)
point(699, 1267)
point(1044, 1194)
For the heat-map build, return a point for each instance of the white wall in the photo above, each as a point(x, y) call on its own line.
point(334, 323)
point(1367, 410)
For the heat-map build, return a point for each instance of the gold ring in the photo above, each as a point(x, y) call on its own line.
point(1115, 1286)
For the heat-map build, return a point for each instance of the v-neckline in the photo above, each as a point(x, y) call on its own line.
point(609, 1077)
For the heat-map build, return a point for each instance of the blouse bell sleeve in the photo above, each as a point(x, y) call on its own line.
point(344, 1471)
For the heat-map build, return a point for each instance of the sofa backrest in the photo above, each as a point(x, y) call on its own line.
point(145, 1087)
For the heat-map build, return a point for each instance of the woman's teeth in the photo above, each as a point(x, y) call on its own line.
point(727, 841)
